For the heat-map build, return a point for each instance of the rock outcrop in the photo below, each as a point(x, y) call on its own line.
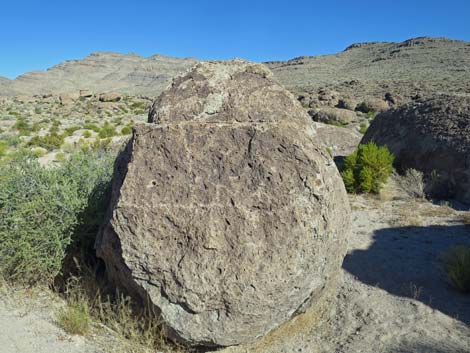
point(226, 215)
point(433, 136)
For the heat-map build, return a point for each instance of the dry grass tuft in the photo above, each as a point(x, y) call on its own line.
point(412, 182)
point(89, 304)
point(75, 317)
point(440, 211)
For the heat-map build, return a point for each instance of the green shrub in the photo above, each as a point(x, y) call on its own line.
point(363, 128)
point(54, 130)
point(107, 130)
point(44, 210)
point(100, 145)
point(60, 156)
point(49, 142)
point(457, 265)
point(70, 130)
point(3, 148)
point(22, 127)
point(92, 127)
point(138, 106)
point(11, 140)
point(367, 168)
point(37, 126)
point(75, 317)
point(371, 115)
point(86, 134)
point(126, 130)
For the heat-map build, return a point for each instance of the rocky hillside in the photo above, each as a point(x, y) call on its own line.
point(416, 66)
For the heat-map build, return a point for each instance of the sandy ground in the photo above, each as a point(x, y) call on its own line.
point(28, 325)
point(394, 295)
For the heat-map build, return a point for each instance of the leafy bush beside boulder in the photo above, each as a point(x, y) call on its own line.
point(367, 169)
point(43, 209)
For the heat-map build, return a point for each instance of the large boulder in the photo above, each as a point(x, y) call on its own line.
point(225, 214)
point(430, 135)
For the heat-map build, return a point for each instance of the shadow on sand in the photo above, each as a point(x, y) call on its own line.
point(431, 347)
point(406, 261)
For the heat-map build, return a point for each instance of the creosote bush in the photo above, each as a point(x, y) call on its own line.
point(457, 265)
point(367, 169)
point(44, 210)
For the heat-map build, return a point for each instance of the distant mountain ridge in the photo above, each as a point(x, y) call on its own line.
point(101, 72)
point(417, 65)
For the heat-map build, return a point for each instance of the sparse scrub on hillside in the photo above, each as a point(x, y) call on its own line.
point(70, 130)
point(22, 127)
point(457, 265)
point(126, 130)
point(3, 148)
point(44, 210)
point(363, 128)
point(93, 127)
point(11, 140)
point(107, 130)
point(86, 134)
point(138, 106)
point(367, 169)
point(50, 142)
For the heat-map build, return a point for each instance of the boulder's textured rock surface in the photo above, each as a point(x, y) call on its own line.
point(430, 135)
point(225, 213)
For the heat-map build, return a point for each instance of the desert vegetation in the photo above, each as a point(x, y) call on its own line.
point(457, 264)
point(367, 169)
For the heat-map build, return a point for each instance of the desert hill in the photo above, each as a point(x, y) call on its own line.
point(99, 72)
point(415, 66)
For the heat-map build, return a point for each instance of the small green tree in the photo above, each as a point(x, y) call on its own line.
point(367, 169)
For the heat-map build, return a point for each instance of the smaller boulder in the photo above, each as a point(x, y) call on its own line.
point(330, 115)
point(68, 98)
point(432, 136)
point(110, 97)
point(372, 105)
point(347, 103)
point(85, 93)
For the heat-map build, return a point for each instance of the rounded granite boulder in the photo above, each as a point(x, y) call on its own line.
point(226, 215)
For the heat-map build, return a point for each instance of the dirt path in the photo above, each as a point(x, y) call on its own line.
point(394, 295)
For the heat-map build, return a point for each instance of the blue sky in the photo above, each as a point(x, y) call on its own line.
point(35, 35)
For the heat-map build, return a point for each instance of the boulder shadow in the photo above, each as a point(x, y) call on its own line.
point(430, 347)
point(407, 262)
